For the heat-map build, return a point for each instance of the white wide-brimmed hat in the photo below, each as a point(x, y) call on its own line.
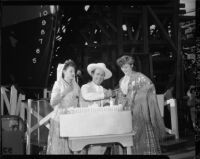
point(102, 66)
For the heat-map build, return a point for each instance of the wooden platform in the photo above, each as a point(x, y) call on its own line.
point(183, 148)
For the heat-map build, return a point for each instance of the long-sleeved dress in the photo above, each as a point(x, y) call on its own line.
point(57, 144)
point(92, 93)
point(137, 93)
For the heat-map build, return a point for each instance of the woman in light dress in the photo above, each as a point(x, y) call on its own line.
point(137, 93)
point(65, 94)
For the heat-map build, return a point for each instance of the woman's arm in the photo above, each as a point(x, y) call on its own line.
point(142, 81)
point(138, 85)
point(120, 97)
point(57, 95)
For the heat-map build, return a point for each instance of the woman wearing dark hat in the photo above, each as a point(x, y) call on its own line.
point(138, 94)
point(65, 94)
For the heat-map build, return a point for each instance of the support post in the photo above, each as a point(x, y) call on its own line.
point(38, 120)
point(162, 28)
point(146, 39)
point(28, 144)
point(45, 93)
point(22, 110)
point(5, 98)
point(119, 32)
point(13, 100)
point(174, 117)
point(2, 104)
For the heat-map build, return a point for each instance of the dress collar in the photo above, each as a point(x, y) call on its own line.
point(95, 84)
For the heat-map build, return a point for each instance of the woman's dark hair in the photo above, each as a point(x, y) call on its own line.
point(67, 64)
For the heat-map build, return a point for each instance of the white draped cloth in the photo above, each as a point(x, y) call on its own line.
point(60, 102)
point(124, 84)
point(89, 93)
point(92, 91)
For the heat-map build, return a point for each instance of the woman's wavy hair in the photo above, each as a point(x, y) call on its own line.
point(125, 59)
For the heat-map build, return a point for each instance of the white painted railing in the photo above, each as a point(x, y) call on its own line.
point(13, 104)
point(16, 106)
point(173, 112)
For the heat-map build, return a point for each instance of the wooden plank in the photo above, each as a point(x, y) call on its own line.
point(177, 40)
point(146, 39)
point(110, 24)
point(86, 38)
point(186, 18)
point(182, 11)
point(38, 119)
point(166, 19)
point(28, 144)
point(5, 98)
point(35, 114)
point(18, 105)
point(136, 36)
point(151, 67)
point(188, 42)
point(13, 100)
point(45, 93)
point(129, 32)
point(174, 117)
point(137, 11)
point(134, 42)
point(42, 122)
point(103, 29)
point(22, 110)
point(2, 104)
point(182, 5)
point(178, 73)
point(166, 36)
point(138, 53)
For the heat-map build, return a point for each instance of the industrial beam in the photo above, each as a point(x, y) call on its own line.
point(129, 31)
point(87, 39)
point(119, 32)
point(163, 11)
point(179, 67)
point(146, 39)
point(159, 24)
point(136, 36)
point(103, 29)
point(111, 24)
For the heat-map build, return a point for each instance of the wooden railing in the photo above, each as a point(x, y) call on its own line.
point(17, 106)
point(173, 112)
point(13, 104)
point(41, 121)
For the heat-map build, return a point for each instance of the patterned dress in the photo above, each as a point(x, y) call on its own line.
point(57, 144)
point(138, 95)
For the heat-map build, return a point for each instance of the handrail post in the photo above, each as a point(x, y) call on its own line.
point(28, 146)
point(174, 117)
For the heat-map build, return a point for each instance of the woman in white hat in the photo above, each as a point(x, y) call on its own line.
point(65, 93)
point(93, 92)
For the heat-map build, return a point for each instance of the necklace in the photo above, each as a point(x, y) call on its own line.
point(69, 83)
